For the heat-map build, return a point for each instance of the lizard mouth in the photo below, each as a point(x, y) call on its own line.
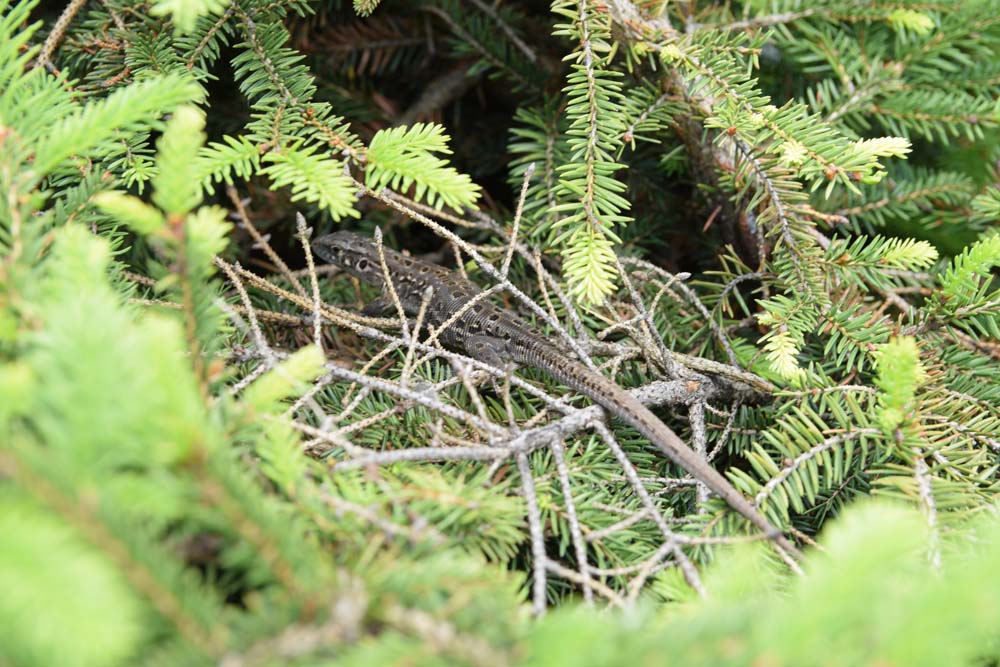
point(326, 250)
point(351, 252)
point(340, 247)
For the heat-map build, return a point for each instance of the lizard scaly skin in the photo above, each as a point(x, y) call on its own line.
point(496, 337)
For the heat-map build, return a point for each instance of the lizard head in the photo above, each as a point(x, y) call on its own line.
point(352, 252)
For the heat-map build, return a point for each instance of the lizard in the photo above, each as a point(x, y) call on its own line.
point(496, 336)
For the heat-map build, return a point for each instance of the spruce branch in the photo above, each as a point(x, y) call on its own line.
point(595, 130)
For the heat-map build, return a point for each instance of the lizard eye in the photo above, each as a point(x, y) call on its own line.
point(362, 264)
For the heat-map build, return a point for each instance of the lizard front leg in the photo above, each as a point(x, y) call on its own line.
point(487, 349)
point(380, 307)
point(490, 350)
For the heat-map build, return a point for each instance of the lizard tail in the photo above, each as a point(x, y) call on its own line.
point(621, 403)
